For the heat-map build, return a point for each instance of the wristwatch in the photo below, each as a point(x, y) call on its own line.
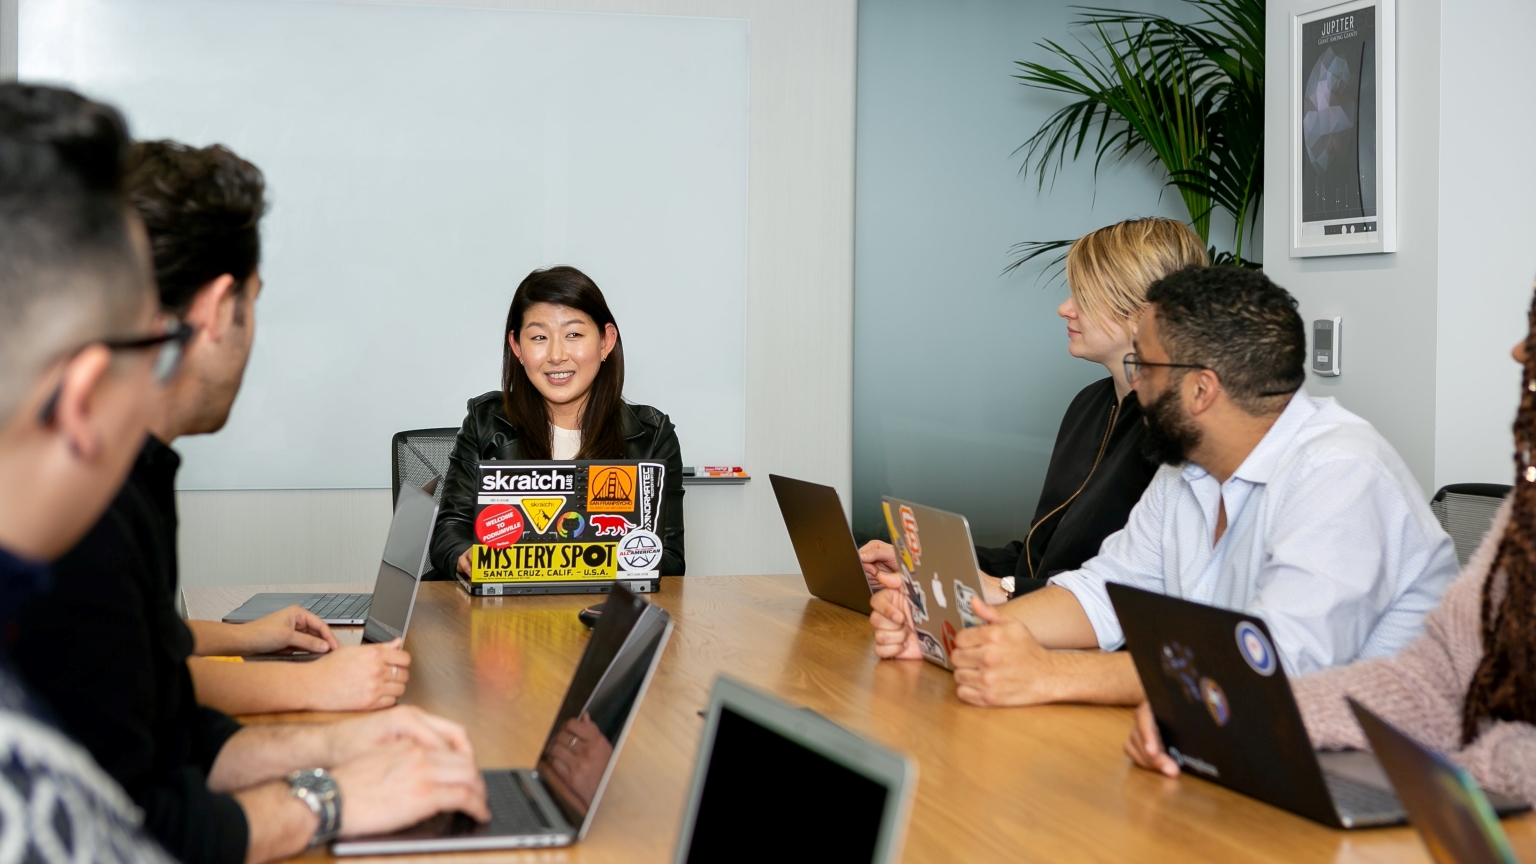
point(318, 790)
point(1007, 584)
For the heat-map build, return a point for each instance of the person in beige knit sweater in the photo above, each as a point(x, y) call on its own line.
point(1467, 686)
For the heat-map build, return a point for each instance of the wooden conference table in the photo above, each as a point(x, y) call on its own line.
point(1030, 784)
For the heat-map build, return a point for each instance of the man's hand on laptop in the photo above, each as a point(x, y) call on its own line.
point(351, 739)
point(1001, 663)
point(356, 677)
point(1145, 746)
point(465, 560)
point(894, 637)
point(402, 783)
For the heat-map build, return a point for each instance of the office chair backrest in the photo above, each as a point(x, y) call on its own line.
point(1465, 511)
point(419, 455)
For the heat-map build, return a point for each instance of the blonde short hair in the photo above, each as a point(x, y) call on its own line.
point(1109, 270)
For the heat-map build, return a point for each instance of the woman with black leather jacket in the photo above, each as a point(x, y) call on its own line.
point(561, 397)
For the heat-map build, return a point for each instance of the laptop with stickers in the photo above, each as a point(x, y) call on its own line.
point(938, 572)
point(566, 528)
point(1227, 715)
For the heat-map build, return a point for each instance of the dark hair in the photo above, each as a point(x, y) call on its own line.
point(602, 432)
point(202, 207)
point(1237, 323)
point(66, 250)
point(1504, 685)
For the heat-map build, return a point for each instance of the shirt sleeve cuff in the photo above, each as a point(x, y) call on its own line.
point(1094, 598)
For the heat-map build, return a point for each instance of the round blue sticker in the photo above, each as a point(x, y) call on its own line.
point(1255, 648)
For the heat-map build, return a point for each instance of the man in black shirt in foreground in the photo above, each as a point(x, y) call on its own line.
point(107, 648)
point(79, 338)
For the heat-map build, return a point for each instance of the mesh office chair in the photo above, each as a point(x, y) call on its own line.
point(418, 455)
point(1465, 511)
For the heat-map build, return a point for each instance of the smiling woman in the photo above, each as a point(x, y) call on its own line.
point(561, 397)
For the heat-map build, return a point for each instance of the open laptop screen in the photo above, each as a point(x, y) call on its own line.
point(585, 736)
point(758, 779)
point(405, 557)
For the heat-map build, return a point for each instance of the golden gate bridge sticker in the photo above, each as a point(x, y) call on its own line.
point(639, 550)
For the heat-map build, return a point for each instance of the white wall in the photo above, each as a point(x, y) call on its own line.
point(1487, 233)
point(1427, 329)
point(799, 329)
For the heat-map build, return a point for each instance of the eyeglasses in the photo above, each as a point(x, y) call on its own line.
point(1133, 366)
point(171, 342)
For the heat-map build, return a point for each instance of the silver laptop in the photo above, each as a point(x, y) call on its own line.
point(939, 572)
point(553, 804)
point(385, 613)
point(853, 795)
point(824, 545)
point(1227, 714)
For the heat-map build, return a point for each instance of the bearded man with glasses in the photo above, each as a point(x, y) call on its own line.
point(1268, 500)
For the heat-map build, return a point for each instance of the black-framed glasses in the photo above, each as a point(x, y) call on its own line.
point(171, 342)
point(1133, 366)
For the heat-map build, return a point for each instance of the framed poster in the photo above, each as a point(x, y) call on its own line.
point(1343, 142)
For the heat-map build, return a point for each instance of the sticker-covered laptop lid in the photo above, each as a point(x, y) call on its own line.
point(567, 521)
point(938, 572)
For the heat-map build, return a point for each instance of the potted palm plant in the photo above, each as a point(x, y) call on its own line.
point(1189, 96)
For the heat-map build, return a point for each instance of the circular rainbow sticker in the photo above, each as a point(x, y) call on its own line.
point(1255, 648)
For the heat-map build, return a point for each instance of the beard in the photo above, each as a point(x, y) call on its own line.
point(1171, 435)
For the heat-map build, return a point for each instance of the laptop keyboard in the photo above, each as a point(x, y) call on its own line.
point(1356, 798)
point(339, 607)
point(512, 812)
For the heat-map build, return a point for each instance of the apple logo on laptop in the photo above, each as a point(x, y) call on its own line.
point(938, 593)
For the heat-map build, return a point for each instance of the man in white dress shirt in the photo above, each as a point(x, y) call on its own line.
point(1269, 500)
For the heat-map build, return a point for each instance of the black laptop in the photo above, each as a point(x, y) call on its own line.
point(1227, 714)
point(824, 545)
point(1444, 803)
point(552, 804)
point(385, 613)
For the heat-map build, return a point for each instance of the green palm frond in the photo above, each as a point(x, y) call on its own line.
point(1189, 96)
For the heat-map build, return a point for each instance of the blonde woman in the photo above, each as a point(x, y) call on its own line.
point(1097, 470)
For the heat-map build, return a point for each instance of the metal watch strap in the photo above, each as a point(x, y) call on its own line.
point(319, 792)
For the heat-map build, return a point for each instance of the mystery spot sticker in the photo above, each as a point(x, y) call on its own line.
point(639, 550)
point(499, 526)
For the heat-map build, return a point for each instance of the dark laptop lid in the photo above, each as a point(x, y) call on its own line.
point(788, 784)
point(1444, 804)
point(600, 704)
point(1222, 701)
point(824, 545)
point(404, 562)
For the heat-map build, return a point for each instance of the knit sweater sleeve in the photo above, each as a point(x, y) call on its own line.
point(1503, 758)
point(1421, 689)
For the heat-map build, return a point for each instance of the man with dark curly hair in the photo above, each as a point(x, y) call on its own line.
point(1268, 500)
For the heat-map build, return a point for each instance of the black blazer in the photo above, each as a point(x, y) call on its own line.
point(1080, 504)
point(488, 434)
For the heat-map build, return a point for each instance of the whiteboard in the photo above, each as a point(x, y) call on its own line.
point(420, 161)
